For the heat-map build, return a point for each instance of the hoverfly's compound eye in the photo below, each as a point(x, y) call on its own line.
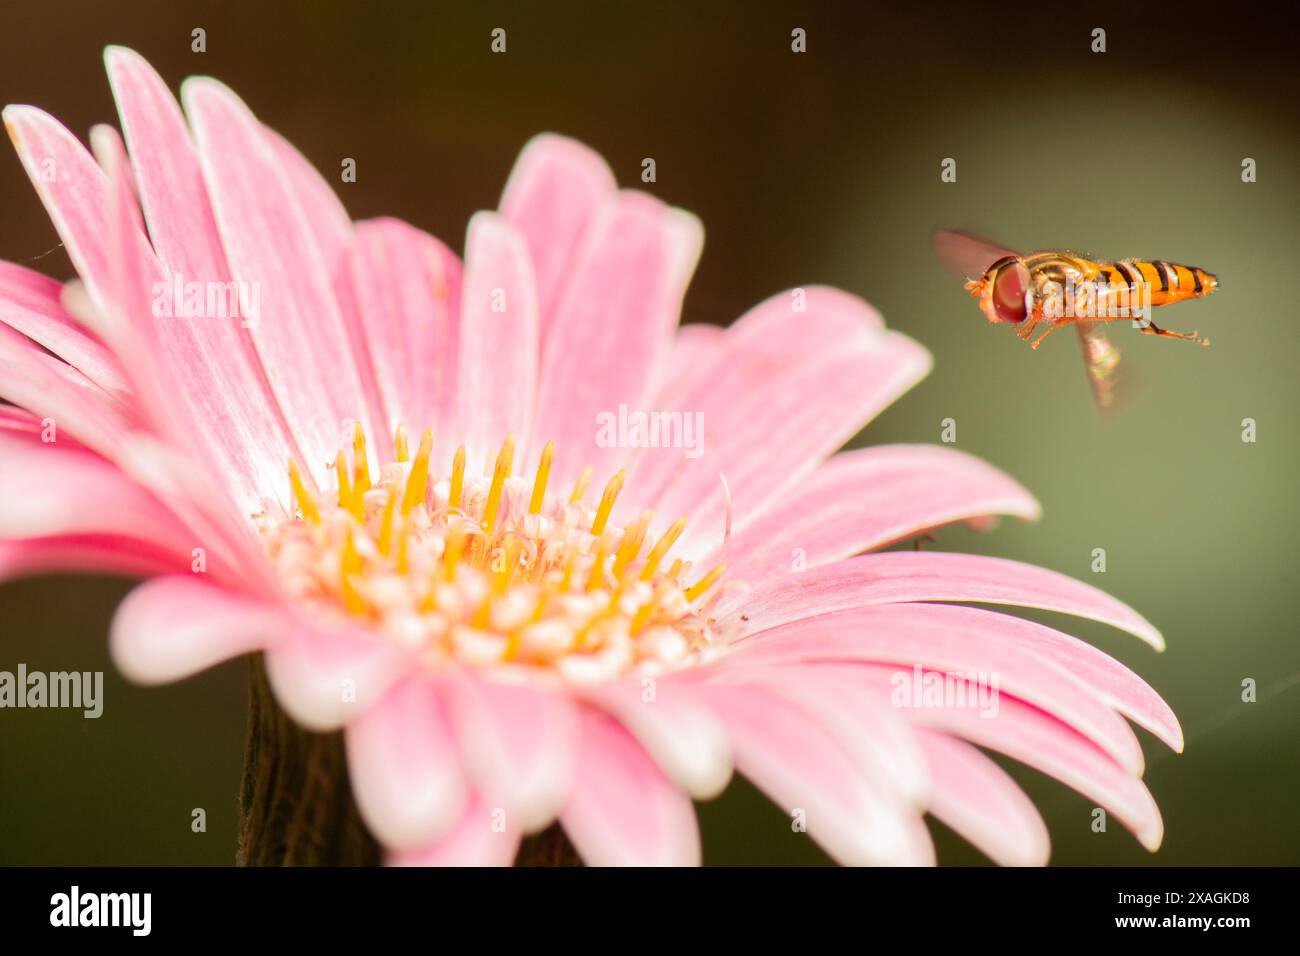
point(1010, 283)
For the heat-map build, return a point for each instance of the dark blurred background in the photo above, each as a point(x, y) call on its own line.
point(820, 167)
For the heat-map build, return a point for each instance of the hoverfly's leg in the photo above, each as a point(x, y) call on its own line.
point(1059, 324)
point(1152, 329)
point(1027, 327)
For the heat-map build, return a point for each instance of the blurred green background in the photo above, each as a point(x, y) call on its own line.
point(821, 167)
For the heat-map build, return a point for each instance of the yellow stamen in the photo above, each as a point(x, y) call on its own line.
point(359, 463)
point(391, 531)
point(483, 616)
point(352, 601)
point(706, 582)
point(580, 488)
point(455, 548)
point(509, 561)
point(499, 475)
point(348, 500)
point(566, 578)
point(607, 502)
point(350, 565)
point(535, 570)
point(633, 538)
point(306, 500)
point(417, 484)
point(351, 562)
point(543, 474)
point(641, 618)
point(402, 566)
point(386, 525)
point(660, 549)
point(580, 638)
point(543, 602)
point(457, 478)
point(610, 609)
point(475, 545)
point(508, 558)
point(597, 579)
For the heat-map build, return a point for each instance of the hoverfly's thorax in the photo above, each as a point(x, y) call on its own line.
point(1051, 267)
point(1053, 277)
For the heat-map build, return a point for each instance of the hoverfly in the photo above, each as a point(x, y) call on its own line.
point(1063, 288)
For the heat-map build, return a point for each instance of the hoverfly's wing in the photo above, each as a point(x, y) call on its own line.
point(965, 255)
point(1111, 388)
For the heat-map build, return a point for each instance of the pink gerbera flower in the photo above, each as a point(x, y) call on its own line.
point(538, 551)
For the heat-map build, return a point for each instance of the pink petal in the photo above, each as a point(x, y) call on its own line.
point(170, 628)
point(768, 341)
point(634, 264)
point(773, 406)
point(29, 302)
point(234, 552)
point(97, 219)
point(551, 198)
point(694, 350)
point(790, 434)
point(675, 727)
point(896, 577)
point(231, 400)
point(861, 500)
point(167, 172)
point(800, 765)
point(480, 838)
point(1110, 681)
point(974, 796)
point(319, 205)
point(881, 742)
point(19, 421)
point(1027, 734)
point(52, 389)
point(324, 677)
point(100, 244)
point(75, 195)
point(408, 298)
point(93, 554)
point(81, 411)
point(328, 224)
point(518, 745)
point(202, 494)
point(404, 767)
point(622, 810)
point(125, 293)
point(498, 349)
point(954, 644)
point(51, 490)
point(269, 240)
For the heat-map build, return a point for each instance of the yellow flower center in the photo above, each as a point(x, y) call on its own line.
point(492, 572)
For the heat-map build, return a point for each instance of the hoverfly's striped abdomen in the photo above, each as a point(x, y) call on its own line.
point(1169, 282)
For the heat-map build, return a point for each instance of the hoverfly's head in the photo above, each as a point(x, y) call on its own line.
point(1004, 290)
